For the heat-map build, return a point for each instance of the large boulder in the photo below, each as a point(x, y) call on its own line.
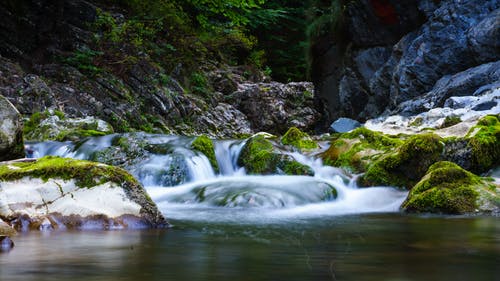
point(447, 188)
point(53, 192)
point(11, 131)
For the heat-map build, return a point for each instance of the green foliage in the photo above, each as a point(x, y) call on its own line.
point(298, 139)
point(84, 60)
point(446, 188)
point(205, 145)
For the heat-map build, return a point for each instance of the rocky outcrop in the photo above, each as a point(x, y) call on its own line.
point(397, 51)
point(57, 193)
point(275, 107)
point(11, 129)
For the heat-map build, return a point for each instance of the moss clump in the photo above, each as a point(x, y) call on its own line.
point(484, 142)
point(258, 157)
point(355, 150)
point(450, 121)
point(205, 145)
point(298, 139)
point(85, 173)
point(446, 188)
point(405, 166)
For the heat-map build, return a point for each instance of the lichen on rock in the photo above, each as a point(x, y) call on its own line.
point(447, 188)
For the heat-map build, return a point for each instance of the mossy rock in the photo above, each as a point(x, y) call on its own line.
point(449, 189)
point(205, 145)
point(298, 139)
point(63, 185)
point(258, 157)
point(355, 150)
point(408, 164)
point(484, 142)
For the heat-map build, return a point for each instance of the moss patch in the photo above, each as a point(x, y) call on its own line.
point(85, 173)
point(484, 141)
point(298, 139)
point(405, 166)
point(205, 145)
point(355, 150)
point(258, 157)
point(446, 188)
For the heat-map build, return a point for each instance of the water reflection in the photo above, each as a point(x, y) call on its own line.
point(368, 247)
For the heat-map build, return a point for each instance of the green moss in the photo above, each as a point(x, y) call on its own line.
point(78, 134)
point(34, 121)
point(298, 139)
point(295, 168)
point(355, 150)
point(450, 121)
point(416, 122)
point(446, 188)
point(257, 156)
point(405, 166)
point(205, 145)
point(484, 142)
point(85, 173)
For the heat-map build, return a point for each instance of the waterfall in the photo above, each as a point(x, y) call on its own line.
point(185, 186)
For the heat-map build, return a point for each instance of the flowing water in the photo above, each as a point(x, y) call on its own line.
point(232, 226)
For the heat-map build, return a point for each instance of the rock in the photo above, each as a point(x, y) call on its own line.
point(56, 192)
point(437, 46)
point(275, 107)
point(205, 145)
point(407, 164)
point(6, 229)
point(53, 125)
point(258, 156)
point(344, 125)
point(447, 188)
point(358, 149)
point(298, 139)
point(223, 121)
point(11, 131)
point(6, 244)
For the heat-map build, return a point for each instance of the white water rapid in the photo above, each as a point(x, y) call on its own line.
point(185, 187)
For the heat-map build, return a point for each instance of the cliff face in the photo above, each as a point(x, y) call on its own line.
point(389, 52)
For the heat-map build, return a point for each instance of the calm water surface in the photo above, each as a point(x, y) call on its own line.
point(356, 247)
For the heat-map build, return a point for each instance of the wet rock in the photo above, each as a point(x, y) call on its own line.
point(344, 125)
point(11, 131)
point(72, 194)
point(6, 244)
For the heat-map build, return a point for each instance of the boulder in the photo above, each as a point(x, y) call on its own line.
point(6, 243)
point(344, 125)
point(58, 193)
point(447, 188)
point(11, 131)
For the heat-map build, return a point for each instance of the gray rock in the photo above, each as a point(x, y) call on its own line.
point(484, 38)
point(343, 125)
point(6, 243)
point(275, 107)
point(11, 131)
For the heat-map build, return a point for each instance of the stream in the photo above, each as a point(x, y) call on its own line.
point(228, 225)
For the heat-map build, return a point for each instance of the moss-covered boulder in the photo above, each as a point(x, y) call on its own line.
point(359, 148)
point(447, 188)
point(298, 139)
point(11, 129)
point(258, 156)
point(484, 143)
point(54, 192)
point(53, 125)
point(205, 145)
point(407, 164)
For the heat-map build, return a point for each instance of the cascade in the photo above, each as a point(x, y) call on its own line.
point(184, 185)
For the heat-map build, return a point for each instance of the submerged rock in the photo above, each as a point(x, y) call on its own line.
point(6, 244)
point(447, 188)
point(54, 192)
point(11, 128)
